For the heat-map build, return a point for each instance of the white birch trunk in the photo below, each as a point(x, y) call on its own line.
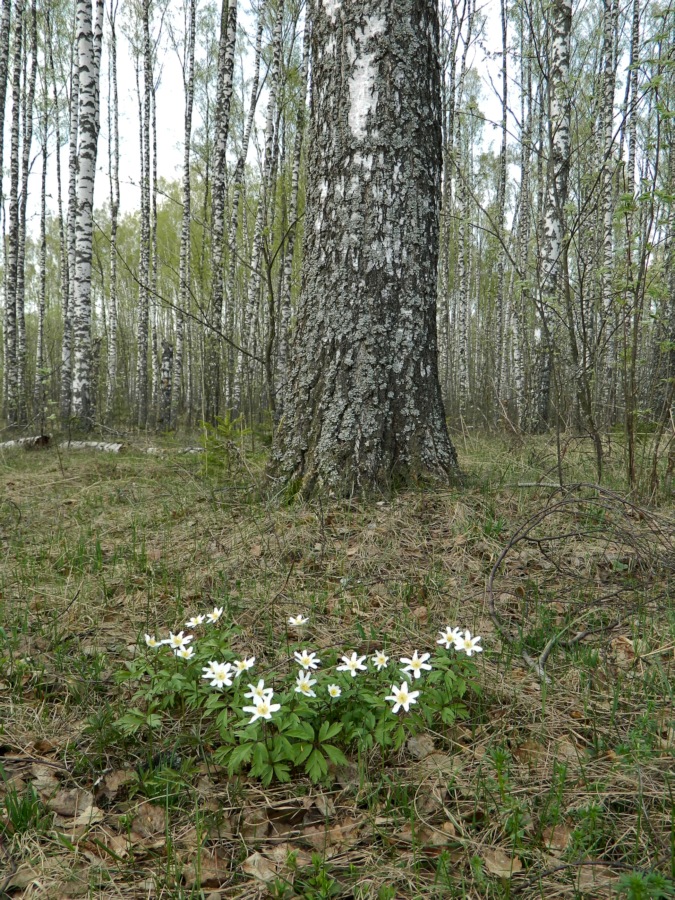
point(114, 180)
point(287, 285)
point(249, 331)
point(68, 300)
point(89, 53)
point(12, 253)
point(233, 380)
point(144, 258)
point(27, 140)
point(228, 35)
point(184, 272)
point(364, 404)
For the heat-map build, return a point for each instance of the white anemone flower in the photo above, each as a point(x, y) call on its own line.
point(243, 665)
point(215, 614)
point(448, 638)
point(402, 697)
point(185, 652)
point(468, 644)
point(334, 690)
point(220, 675)
point(304, 684)
point(195, 621)
point(263, 709)
point(152, 641)
point(177, 641)
point(416, 663)
point(297, 621)
point(307, 660)
point(209, 670)
point(352, 664)
point(380, 660)
point(259, 692)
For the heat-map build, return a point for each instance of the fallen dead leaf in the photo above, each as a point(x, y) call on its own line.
point(500, 863)
point(420, 745)
point(70, 803)
point(596, 878)
point(209, 871)
point(113, 782)
point(256, 551)
point(556, 838)
point(149, 826)
point(259, 867)
point(421, 615)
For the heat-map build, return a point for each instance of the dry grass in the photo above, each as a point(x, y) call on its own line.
point(553, 788)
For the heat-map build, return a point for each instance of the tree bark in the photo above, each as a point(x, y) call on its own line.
point(89, 56)
point(228, 35)
point(114, 179)
point(12, 253)
point(364, 406)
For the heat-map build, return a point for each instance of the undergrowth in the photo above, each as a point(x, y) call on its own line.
point(536, 771)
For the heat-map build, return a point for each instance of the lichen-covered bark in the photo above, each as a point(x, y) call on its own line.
point(364, 405)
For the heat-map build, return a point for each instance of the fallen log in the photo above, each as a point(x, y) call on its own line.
point(104, 446)
point(27, 443)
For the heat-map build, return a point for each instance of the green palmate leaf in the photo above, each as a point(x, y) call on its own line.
point(303, 731)
point(334, 754)
point(282, 772)
point(329, 730)
point(316, 766)
point(301, 753)
point(238, 756)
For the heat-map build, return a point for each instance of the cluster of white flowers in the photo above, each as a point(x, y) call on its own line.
point(222, 674)
point(179, 642)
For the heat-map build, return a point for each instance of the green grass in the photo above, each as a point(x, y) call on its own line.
point(561, 786)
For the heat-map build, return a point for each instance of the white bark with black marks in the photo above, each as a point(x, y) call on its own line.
point(364, 404)
point(89, 37)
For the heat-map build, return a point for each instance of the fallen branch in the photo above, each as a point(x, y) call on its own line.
point(27, 443)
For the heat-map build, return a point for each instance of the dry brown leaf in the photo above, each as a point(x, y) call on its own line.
point(44, 780)
point(79, 824)
point(114, 781)
point(421, 615)
point(597, 879)
point(255, 823)
point(420, 745)
point(259, 867)
point(337, 837)
point(557, 838)
point(500, 863)
point(149, 826)
point(437, 763)
point(209, 871)
point(279, 856)
point(256, 551)
point(70, 803)
point(530, 753)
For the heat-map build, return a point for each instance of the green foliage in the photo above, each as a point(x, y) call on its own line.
point(21, 812)
point(308, 734)
point(645, 886)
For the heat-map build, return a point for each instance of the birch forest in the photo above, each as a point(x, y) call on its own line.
point(555, 292)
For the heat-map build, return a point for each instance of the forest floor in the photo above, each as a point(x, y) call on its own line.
point(560, 782)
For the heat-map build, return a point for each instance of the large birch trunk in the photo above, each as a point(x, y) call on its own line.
point(12, 253)
point(114, 179)
point(233, 367)
point(144, 259)
point(228, 34)
point(89, 55)
point(184, 265)
point(68, 300)
point(364, 404)
point(286, 287)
